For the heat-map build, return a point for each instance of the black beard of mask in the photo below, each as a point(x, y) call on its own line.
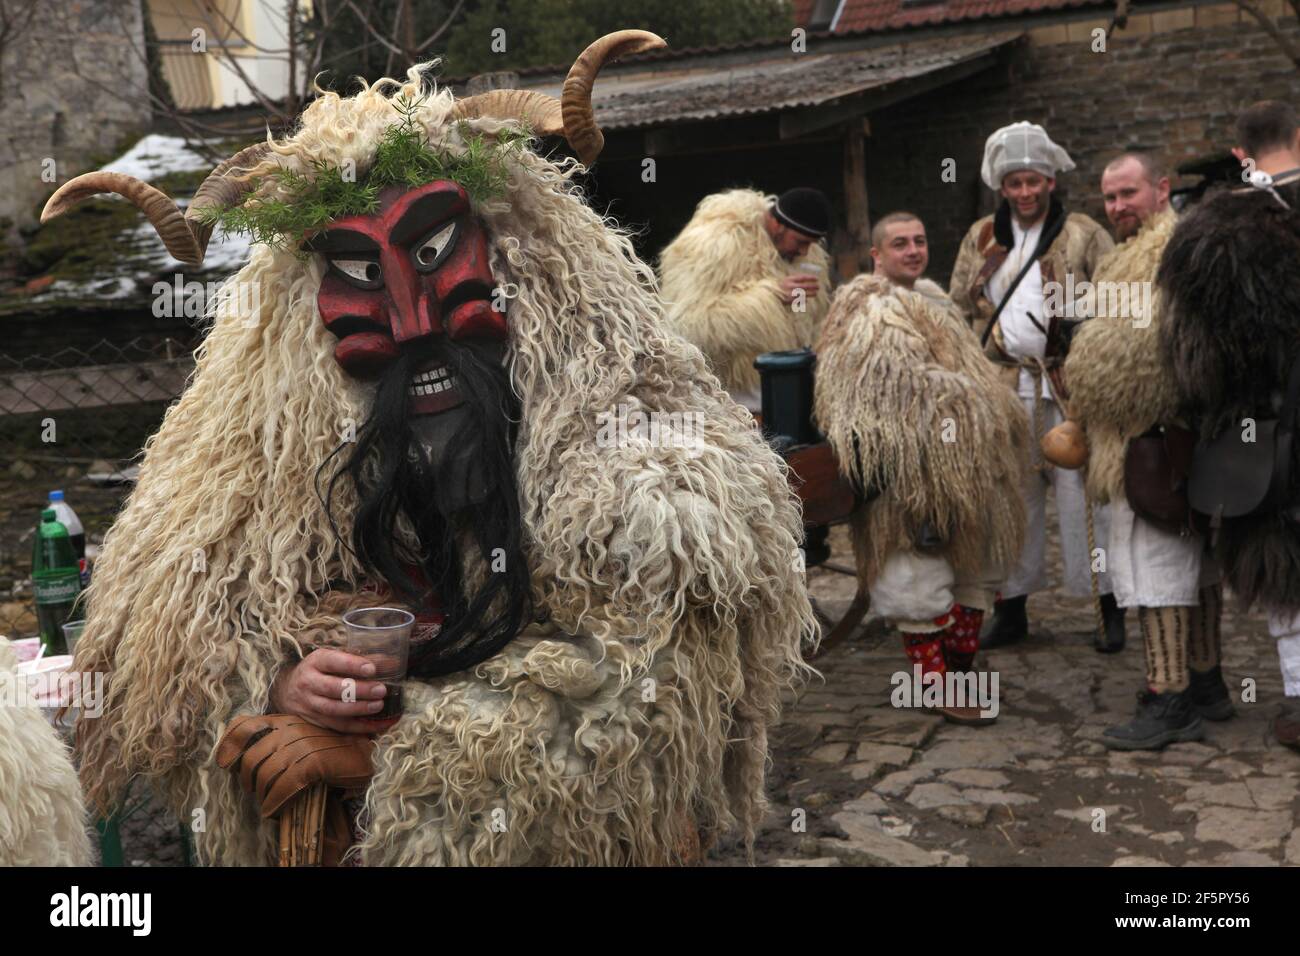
point(449, 471)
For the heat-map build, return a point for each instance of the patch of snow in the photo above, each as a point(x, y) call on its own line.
point(225, 255)
point(156, 155)
point(145, 260)
point(114, 287)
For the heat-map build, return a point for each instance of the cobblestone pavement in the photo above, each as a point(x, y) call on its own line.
point(876, 785)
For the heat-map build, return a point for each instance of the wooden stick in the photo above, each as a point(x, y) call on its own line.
point(316, 796)
point(286, 838)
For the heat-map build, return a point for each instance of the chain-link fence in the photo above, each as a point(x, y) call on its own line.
point(74, 419)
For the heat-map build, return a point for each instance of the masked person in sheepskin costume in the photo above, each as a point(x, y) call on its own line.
point(42, 816)
point(747, 275)
point(1229, 337)
point(618, 615)
point(920, 422)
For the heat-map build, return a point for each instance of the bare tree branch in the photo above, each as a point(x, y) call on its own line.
point(233, 28)
point(15, 18)
point(365, 21)
point(455, 11)
point(1120, 19)
point(198, 135)
point(397, 22)
point(291, 25)
point(233, 61)
point(1270, 27)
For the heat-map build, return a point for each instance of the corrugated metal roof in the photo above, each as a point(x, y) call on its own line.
point(859, 16)
point(697, 91)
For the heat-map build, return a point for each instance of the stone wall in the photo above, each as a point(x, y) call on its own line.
point(1177, 92)
point(72, 83)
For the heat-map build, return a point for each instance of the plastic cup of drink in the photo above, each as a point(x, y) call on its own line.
point(72, 633)
point(810, 269)
point(382, 635)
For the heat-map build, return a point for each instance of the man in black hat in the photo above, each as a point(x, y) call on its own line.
point(797, 219)
point(749, 275)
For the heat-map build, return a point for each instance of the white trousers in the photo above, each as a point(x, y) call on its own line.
point(971, 590)
point(1030, 574)
point(1150, 567)
point(1286, 628)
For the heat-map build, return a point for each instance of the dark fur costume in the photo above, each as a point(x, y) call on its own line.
point(1231, 278)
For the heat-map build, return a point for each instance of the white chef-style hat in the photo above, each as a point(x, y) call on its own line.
point(1022, 146)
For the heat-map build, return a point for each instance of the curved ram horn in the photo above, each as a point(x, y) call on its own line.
point(158, 207)
point(184, 235)
point(539, 111)
point(220, 191)
point(580, 127)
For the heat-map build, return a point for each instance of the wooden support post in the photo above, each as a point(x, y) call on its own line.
point(853, 255)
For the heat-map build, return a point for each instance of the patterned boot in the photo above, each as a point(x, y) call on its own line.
point(961, 639)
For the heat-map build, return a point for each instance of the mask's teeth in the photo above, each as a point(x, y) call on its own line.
point(431, 376)
point(432, 383)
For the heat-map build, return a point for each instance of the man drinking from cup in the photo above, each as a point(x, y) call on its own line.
point(749, 275)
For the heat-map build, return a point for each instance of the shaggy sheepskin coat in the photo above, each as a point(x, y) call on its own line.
point(42, 815)
point(630, 724)
point(719, 280)
point(1077, 250)
point(1231, 335)
point(914, 410)
point(1119, 383)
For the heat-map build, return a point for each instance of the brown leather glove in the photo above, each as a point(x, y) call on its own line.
point(280, 755)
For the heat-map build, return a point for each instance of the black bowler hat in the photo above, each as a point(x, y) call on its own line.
point(804, 210)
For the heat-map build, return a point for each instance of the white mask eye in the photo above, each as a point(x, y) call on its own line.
point(430, 253)
point(362, 271)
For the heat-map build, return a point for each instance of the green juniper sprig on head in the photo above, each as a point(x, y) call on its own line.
point(404, 157)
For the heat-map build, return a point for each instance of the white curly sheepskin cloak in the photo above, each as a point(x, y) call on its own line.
point(719, 281)
point(1120, 384)
point(913, 408)
point(632, 724)
point(42, 815)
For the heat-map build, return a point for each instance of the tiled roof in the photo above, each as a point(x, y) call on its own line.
point(858, 16)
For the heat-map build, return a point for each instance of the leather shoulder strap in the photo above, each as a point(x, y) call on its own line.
point(1006, 297)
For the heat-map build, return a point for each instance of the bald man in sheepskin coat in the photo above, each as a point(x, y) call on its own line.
point(922, 425)
point(1120, 389)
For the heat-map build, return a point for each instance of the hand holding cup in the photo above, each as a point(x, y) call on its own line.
point(333, 689)
point(798, 280)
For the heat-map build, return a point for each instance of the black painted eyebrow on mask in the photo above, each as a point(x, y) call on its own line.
point(338, 242)
point(425, 214)
point(416, 223)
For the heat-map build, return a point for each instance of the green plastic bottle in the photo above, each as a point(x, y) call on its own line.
point(56, 580)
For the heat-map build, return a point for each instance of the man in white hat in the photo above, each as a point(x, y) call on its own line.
point(1017, 275)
